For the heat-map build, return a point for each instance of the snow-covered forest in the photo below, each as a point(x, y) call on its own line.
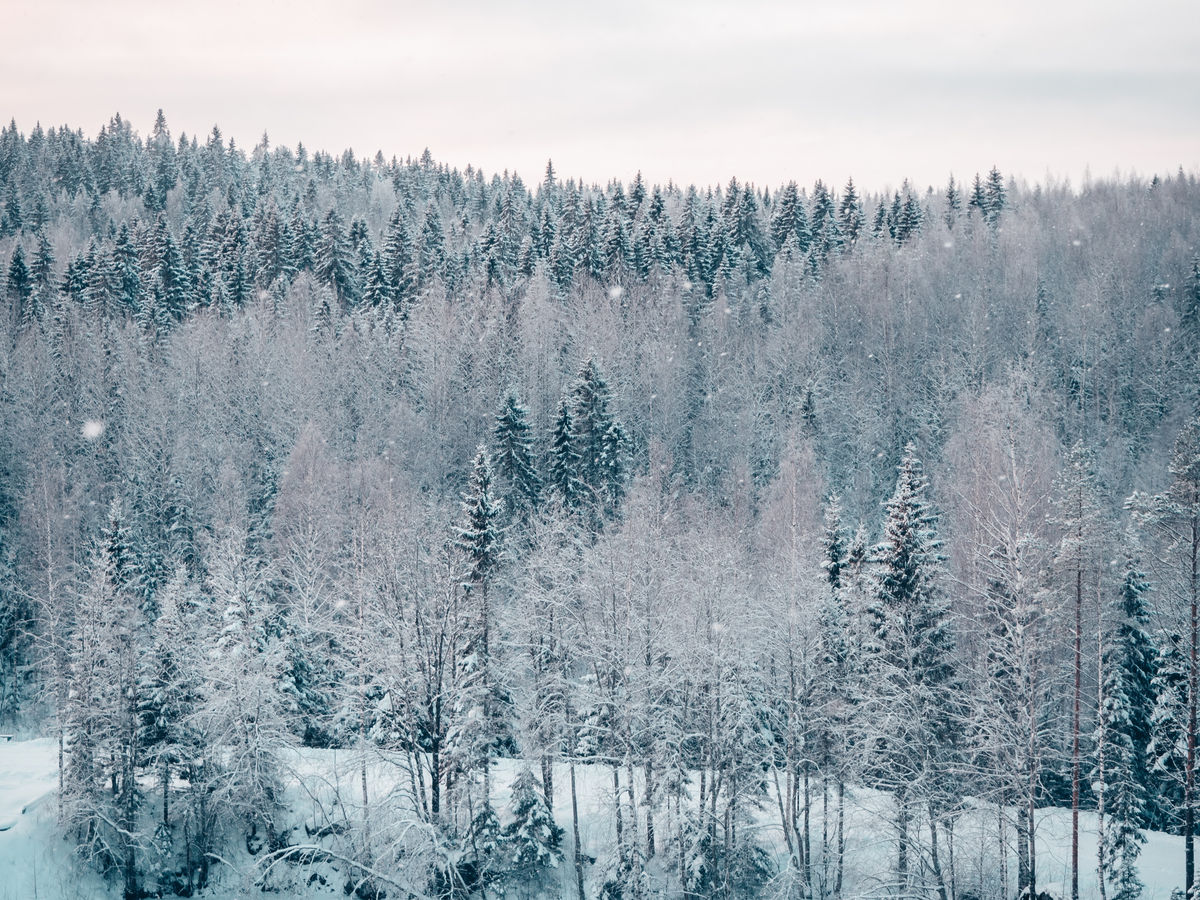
point(736, 512)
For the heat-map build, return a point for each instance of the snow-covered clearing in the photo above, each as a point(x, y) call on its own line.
point(325, 785)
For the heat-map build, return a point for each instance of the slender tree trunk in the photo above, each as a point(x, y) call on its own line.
point(619, 819)
point(1002, 840)
point(633, 816)
point(1189, 790)
point(934, 858)
point(575, 828)
point(648, 801)
point(548, 780)
point(366, 806)
point(950, 854)
point(825, 829)
point(783, 818)
point(1032, 851)
point(902, 843)
point(1074, 721)
point(728, 845)
point(841, 836)
point(1022, 853)
point(62, 740)
point(435, 781)
point(1101, 862)
point(807, 829)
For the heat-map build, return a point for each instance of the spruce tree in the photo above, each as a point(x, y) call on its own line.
point(42, 269)
point(978, 200)
point(170, 689)
point(995, 196)
point(512, 460)
point(532, 839)
point(482, 705)
point(103, 795)
point(1173, 517)
point(1122, 736)
point(334, 260)
point(850, 213)
point(953, 203)
point(11, 221)
point(564, 460)
point(912, 713)
point(19, 283)
point(599, 442)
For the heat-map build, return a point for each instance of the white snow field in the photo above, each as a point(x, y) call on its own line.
point(324, 785)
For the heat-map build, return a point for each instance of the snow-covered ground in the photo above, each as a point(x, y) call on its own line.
point(36, 863)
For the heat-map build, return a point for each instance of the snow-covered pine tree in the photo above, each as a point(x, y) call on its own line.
point(531, 841)
point(519, 485)
point(1173, 517)
point(909, 720)
point(334, 260)
point(995, 196)
point(102, 723)
point(599, 443)
point(482, 707)
point(242, 711)
point(836, 659)
point(1167, 751)
point(1122, 736)
point(564, 460)
point(953, 203)
point(850, 213)
point(170, 689)
point(978, 200)
point(18, 285)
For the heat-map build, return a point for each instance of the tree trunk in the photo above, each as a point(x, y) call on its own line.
point(633, 816)
point(841, 837)
point(783, 818)
point(1074, 721)
point(1101, 862)
point(575, 828)
point(1032, 828)
point(825, 828)
point(619, 819)
point(933, 855)
point(1022, 853)
point(950, 854)
point(728, 845)
point(548, 780)
point(902, 842)
point(62, 740)
point(807, 829)
point(1189, 789)
point(648, 800)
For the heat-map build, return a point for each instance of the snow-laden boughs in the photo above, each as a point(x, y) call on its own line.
point(1122, 737)
point(910, 718)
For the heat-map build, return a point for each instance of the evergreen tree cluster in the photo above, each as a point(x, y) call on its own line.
point(161, 227)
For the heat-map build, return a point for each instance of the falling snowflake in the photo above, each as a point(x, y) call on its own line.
point(92, 429)
point(615, 292)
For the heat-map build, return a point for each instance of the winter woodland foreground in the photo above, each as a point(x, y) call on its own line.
point(323, 791)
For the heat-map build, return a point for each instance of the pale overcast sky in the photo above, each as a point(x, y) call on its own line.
point(695, 91)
